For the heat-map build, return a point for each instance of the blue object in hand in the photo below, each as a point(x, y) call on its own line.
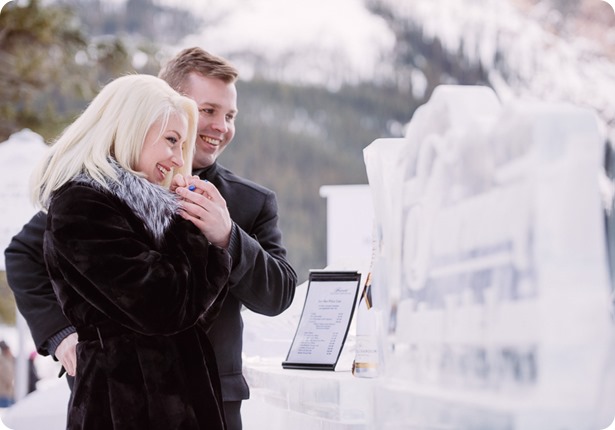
point(192, 187)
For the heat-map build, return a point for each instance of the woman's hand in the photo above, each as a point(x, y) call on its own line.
point(66, 353)
point(180, 180)
point(203, 205)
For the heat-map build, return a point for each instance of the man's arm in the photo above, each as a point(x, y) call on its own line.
point(261, 277)
point(28, 279)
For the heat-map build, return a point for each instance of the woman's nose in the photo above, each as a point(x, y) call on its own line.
point(178, 158)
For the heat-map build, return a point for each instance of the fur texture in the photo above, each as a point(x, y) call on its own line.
point(136, 281)
point(153, 204)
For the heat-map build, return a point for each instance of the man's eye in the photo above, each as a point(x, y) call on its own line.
point(207, 111)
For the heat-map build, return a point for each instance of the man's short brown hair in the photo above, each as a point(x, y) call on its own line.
point(199, 61)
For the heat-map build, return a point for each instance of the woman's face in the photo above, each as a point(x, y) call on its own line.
point(162, 149)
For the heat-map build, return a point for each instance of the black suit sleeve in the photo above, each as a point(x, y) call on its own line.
point(28, 279)
point(262, 278)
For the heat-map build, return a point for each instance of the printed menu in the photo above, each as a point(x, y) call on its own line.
point(325, 319)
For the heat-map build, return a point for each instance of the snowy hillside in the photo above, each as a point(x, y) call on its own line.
point(556, 50)
point(530, 49)
point(539, 49)
point(314, 42)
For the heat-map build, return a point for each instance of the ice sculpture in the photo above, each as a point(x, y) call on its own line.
point(492, 267)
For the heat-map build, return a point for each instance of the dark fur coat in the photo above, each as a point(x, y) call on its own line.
point(134, 278)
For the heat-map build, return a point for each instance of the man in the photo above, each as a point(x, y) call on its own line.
point(246, 223)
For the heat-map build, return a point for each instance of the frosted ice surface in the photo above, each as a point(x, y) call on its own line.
point(496, 285)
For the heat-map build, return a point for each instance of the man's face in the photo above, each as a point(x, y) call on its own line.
point(217, 102)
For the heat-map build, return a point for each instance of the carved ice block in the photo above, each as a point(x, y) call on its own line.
point(497, 282)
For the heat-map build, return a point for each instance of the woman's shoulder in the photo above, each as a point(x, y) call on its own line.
point(75, 190)
point(81, 199)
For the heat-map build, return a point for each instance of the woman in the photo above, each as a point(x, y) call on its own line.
point(130, 273)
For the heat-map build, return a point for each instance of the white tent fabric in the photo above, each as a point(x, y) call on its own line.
point(18, 156)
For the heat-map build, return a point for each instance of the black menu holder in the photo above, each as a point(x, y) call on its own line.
point(323, 327)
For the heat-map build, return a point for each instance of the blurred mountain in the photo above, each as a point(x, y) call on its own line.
point(550, 50)
point(146, 19)
point(315, 91)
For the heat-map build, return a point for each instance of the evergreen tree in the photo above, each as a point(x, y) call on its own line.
point(37, 50)
point(50, 68)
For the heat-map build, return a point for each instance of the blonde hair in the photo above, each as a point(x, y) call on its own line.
point(113, 126)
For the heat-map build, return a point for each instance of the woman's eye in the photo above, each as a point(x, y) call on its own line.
point(172, 140)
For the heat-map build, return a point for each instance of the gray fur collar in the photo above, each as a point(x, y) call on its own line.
point(153, 204)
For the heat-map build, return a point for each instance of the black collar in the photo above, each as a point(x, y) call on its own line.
point(208, 172)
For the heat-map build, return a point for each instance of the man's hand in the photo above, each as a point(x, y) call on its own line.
point(66, 353)
point(206, 208)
